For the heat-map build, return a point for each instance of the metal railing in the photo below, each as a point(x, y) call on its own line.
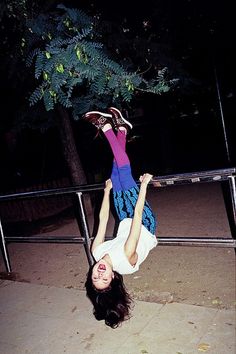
point(220, 175)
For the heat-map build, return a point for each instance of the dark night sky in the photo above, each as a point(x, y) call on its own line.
point(201, 36)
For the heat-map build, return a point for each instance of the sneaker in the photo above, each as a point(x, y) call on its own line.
point(118, 119)
point(98, 119)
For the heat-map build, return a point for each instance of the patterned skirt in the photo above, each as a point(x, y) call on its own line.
point(125, 201)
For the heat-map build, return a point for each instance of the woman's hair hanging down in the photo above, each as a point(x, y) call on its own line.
point(112, 304)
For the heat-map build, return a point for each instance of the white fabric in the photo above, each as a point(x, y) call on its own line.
point(115, 248)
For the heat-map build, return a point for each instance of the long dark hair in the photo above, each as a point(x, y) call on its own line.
point(112, 304)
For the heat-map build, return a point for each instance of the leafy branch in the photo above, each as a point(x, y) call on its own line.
point(71, 65)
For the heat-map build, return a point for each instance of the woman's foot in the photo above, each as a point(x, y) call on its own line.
point(98, 119)
point(118, 119)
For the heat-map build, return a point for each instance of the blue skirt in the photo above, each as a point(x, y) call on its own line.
point(125, 201)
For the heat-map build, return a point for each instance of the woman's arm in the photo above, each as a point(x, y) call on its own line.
point(103, 216)
point(135, 230)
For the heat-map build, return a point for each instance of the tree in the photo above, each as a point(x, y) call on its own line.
point(68, 59)
point(75, 72)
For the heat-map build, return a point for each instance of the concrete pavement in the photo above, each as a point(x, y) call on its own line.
point(37, 319)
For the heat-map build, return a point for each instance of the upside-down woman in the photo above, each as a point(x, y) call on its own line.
point(136, 232)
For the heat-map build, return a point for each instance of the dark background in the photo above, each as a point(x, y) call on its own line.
point(180, 131)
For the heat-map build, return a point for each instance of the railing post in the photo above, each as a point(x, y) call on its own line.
point(84, 228)
point(4, 248)
point(232, 185)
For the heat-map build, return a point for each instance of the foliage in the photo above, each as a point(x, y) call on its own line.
point(74, 69)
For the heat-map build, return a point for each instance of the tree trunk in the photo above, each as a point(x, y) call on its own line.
point(71, 154)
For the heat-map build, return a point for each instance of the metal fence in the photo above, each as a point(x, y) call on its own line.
point(220, 175)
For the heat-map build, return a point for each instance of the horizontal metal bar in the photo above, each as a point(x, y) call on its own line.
point(52, 192)
point(169, 182)
point(46, 239)
point(212, 173)
point(184, 178)
point(197, 241)
point(220, 241)
point(195, 177)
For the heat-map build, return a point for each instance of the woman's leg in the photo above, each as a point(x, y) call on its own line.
point(125, 189)
point(122, 179)
point(121, 137)
point(121, 166)
point(117, 146)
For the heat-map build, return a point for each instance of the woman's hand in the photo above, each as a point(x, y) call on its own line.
point(108, 185)
point(145, 178)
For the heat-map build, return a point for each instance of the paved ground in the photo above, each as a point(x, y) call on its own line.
point(37, 319)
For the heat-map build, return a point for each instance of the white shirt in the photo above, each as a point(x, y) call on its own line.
point(115, 248)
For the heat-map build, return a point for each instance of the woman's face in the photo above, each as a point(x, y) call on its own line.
point(102, 275)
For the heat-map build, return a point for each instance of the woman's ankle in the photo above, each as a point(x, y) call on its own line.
point(106, 127)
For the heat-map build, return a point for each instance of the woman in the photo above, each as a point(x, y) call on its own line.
point(136, 232)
